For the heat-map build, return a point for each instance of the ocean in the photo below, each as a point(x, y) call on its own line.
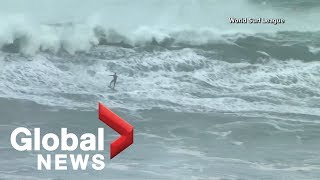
point(209, 99)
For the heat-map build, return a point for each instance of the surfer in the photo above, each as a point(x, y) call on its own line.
point(114, 80)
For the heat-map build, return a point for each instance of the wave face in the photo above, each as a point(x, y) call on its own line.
point(30, 28)
point(256, 87)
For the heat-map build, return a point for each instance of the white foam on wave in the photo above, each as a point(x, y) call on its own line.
point(314, 50)
point(180, 80)
point(188, 152)
point(153, 136)
point(187, 21)
point(221, 134)
point(238, 143)
point(289, 168)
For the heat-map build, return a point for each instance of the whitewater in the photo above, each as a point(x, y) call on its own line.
point(209, 99)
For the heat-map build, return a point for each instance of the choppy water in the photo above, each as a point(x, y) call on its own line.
point(211, 100)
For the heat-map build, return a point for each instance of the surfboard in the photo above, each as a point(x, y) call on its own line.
point(112, 88)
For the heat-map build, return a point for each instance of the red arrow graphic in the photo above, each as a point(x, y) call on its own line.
point(121, 126)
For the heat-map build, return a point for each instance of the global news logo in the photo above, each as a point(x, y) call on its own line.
point(22, 139)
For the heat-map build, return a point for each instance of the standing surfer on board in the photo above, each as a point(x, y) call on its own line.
point(114, 80)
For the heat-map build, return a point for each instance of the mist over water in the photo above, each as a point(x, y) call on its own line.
point(209, 99)
point(52, 25)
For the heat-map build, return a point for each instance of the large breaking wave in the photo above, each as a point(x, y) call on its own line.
point(164, 23)
point(182, 55)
